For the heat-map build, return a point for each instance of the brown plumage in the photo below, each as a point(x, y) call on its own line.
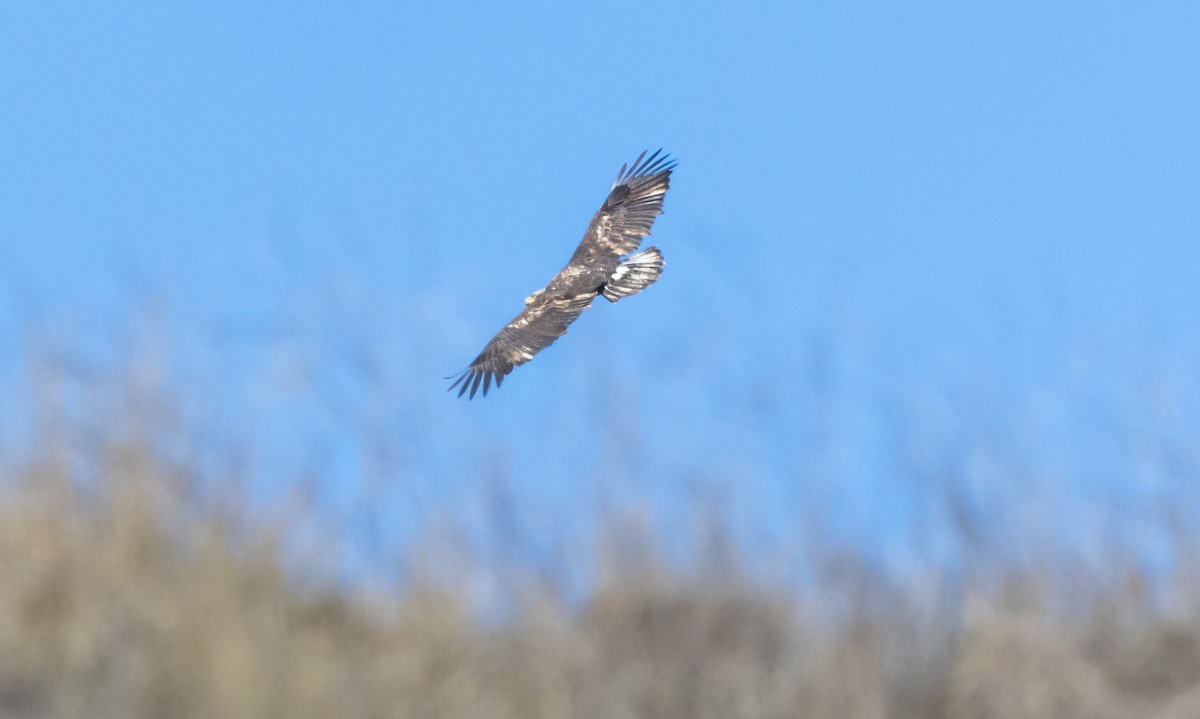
point(599, 267)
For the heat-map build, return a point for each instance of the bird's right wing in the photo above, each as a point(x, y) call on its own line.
point(634, 202)
point(535, 329)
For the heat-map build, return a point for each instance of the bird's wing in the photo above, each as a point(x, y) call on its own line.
point(536, 328)
point(629, 210)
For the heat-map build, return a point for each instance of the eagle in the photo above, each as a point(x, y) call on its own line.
point(606, 264)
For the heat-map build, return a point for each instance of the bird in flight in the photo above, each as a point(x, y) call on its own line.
point(606, 264)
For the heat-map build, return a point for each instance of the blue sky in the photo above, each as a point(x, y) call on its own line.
point(928, 231)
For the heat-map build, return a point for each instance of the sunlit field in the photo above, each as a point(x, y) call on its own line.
point(141, 580)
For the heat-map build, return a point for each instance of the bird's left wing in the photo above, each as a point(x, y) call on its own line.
point(536, 328)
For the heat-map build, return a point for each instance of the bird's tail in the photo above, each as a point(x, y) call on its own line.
point(634, 274)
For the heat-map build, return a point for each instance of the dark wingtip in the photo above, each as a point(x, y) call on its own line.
point(656, 163)
point(463, 382)
point(473, 381)
point(644, 166)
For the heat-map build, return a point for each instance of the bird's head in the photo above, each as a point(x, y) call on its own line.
point(530, 299)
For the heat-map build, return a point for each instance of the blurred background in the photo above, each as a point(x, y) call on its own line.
point(910, 427)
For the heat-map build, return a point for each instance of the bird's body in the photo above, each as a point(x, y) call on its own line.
point(606, 264)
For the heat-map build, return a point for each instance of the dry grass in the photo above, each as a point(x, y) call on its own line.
point(126, 592)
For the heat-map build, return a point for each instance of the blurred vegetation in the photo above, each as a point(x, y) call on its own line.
point(137, 579)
